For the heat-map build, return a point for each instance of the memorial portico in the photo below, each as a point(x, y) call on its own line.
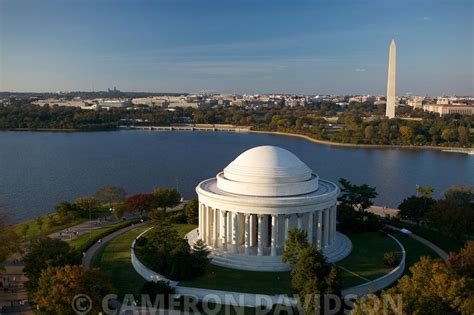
point(246, 211)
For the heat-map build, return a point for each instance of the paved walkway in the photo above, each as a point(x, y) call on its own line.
point(94, 250)
point(13, 294)
point(441, 253)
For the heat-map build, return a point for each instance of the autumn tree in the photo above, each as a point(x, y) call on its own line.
point(44, 252)
point(141, 203)
point(58, 287)
point(87, 205)
point(110, 195)
point(433, 288)
point(463, 262)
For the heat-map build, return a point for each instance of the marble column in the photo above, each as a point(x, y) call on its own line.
point(229, 227)
point(260, 235)
point(274, 235)
point(247, 234)
point(235, 219)
point(216, 228)
point(319, 232)
point(310, 227)
point(224, 223)
point(326, 227)
point(287, 227)
point(253, 230)
point(335, 222)
point(300, 221)
point(200, 220)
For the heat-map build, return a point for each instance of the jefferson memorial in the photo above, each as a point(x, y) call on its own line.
point(245, 212)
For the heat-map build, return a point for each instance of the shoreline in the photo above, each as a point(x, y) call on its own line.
point(364, 146)
point(278, 133)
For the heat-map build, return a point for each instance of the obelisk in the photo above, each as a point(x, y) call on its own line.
point(391, 82)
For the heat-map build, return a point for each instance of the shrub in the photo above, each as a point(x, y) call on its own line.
point(178, 217)
point(390, 259)
point(191, 209)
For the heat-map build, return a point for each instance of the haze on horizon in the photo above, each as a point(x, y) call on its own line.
point(246, 46)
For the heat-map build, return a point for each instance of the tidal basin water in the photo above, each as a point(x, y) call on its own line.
point(40, 169)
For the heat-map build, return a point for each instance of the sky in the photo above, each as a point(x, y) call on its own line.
point(237, 46)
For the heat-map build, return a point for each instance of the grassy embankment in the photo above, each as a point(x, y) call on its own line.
point(115, 261)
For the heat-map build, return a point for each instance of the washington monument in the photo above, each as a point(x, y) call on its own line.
point(391, 82)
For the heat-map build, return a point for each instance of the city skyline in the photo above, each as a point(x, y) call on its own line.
point(244, 47)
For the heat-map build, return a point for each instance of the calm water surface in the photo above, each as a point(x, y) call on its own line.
point(40, 169)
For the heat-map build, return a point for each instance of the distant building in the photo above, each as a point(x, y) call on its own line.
point(443, 109)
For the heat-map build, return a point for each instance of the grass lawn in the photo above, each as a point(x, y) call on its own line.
point(115, 261)
point(34, 230)
point(242, 281)
point(414, 250)
point(81, 241)
point(366, 258)
point(446, 243)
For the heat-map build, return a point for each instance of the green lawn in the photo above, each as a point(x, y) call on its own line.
point(115, 261)
point(414, 250)
point(84, 241)
point(366, 258)
point(446, 243)
point(34, 230)
point(242, 281)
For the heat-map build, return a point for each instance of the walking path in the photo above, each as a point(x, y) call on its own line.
point(13, 295)
point(94, 250)
point(441, 253)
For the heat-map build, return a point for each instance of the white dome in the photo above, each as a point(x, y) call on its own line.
point(267, 171)
point(267, 164)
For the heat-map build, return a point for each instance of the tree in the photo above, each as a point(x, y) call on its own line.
point(86, 205)
point(191, 209)
point(463, 133)
point(451, 218)
point(448, 134)
point(463, 262)
point(39, 221)
point(433, 288)
point(407, 134)
point(165, 198)
point(59, 286)
point(140, 203)
point(201, 257)
point(8, 239)
point(44, 252)
point(118, 211)
point(425, 191)
point(415, 208)
point(369, 133)
point(356, 197)
point(461, 195)
point(163, 250)
point(66, 210)
point(296, 241)
point(312, 276)
point(110, 195)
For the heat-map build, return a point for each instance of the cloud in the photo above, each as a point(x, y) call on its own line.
point(425, 18)
point(360, 70)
